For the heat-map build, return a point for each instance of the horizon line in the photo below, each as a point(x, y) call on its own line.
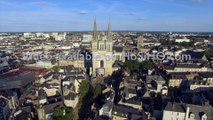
point(106, 31)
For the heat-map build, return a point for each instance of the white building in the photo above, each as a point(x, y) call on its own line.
point(179, 111)
point(59, 37)
point(86, 40)
point(174, 111)
point(182, 40)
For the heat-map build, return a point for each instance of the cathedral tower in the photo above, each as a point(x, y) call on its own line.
point(102, 46)
point(140, 44)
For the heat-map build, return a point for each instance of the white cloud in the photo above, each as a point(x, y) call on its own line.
point(83, 12)
point(141, 19)
point(43, 3)
point(6, 3)
point(128, 14)
point(198, 1)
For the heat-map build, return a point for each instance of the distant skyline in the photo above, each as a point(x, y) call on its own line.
point(79, 15)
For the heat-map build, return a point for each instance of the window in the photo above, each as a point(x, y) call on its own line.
point(101, 63)
point(192, 115)
point(103, 47)
point(108, 47)
point(117, 57)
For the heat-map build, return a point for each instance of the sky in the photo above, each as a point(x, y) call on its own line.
point(79, 15)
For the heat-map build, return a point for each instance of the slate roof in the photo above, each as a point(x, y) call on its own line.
point(168, 67)
point(198, 111)
point(116, 64)
point(25, 113)
point(177, 107)
point(108, 106)
point(102, 118)
point(194, 55)
point(133, 101)
point(47, 75)
point(132, 91)
point(3, 102)
point(185, 65)
point(71, 70)
point(72, 78)
point(118, 49)
point(28, 109)
point(80, 77)
point(178, 75)
point(70, 96)
point(54, 99)
point(56, 76)
point(206, 74)
point(69, 78)
point(42, 94)
point(127, 112)
point(49, 108)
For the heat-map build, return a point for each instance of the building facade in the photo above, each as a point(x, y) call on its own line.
point(102, 52)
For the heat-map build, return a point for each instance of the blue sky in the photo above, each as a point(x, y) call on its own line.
point(77, 15)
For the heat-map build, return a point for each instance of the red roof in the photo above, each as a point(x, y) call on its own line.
point(12, 74)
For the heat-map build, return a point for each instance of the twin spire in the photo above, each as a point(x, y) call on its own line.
point(95, 34)
point(95, 31)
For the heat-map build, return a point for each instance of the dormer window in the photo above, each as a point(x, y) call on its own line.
point(204, 117)
point(192, 116)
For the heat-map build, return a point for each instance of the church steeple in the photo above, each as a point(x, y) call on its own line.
point(109, 31)
point(140, 42)
point(95, 30)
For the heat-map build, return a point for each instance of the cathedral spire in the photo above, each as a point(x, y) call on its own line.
point(109, 30)
point(95, 30)
point(140, 43)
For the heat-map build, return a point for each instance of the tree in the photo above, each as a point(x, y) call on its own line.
point(147, 64)
point(58, 93)
point(52, 38)
point(208, 54)
point(85, 99)
point(58, 113)
point(97, 92)
point(132, 65)
point(84, 88)
point(68, 113)
point(186, 44)
point(56, 69)
point(63, 113)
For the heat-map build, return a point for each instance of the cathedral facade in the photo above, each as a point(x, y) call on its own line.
point(102, 52)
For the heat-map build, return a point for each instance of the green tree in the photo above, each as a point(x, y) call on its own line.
point(97, 92)
point(52, 38)
point(56, 69)
point(58, 93)
point(186, 44)
point(85, 99)
point(147, 64)
point(84, 88)
point(68, 113)
point(132, 65)
point(63, 113)
point(58, 113)
point(208, 54)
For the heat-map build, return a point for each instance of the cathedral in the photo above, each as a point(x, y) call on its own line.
point(102, 52)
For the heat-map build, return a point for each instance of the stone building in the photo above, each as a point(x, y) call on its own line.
point(102, 52)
